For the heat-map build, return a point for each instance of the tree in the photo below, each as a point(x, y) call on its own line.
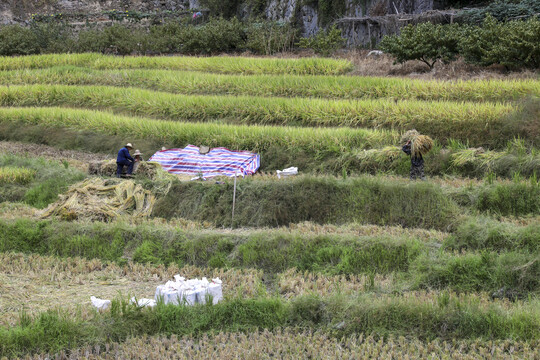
point(426, 42)
point(513, 44)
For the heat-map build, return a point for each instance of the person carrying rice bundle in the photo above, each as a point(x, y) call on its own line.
point(416, 145)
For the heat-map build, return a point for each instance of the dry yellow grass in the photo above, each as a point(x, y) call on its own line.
point(296, 344)
point(38, 283)
point(293, 283)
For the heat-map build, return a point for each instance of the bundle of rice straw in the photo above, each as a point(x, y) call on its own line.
point(103, 200)
point(420, 144)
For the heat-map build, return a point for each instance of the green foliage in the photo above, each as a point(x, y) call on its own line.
point(54, 37)
point(502, 10)
point(215, 36)
point(459, 318)
point(270, 37)
point(327, 10)
point(219, 8)
point(17, 40)
point(51, 178)
point(426, 42)
point(513, 44)
point(115, 39)
point(325, 43)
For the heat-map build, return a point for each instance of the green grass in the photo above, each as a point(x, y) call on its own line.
point(517, 198)
point(218, 64)
point(475, 123)
point(271, 251)
point(333, 87)
point(414, 263)
point(277, 203)
point(48, 180)
point(518, 271)
point(485, 233)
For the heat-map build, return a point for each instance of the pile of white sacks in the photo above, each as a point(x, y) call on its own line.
point(177, 292)
point(190, 292)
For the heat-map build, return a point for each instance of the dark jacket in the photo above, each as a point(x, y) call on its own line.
point(123, 156)
point(415, 160)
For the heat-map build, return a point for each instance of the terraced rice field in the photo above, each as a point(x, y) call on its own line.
point(350, 259)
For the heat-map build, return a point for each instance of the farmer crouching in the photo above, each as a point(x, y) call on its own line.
point(138, 159)
point(417, 162)
point(124, 159)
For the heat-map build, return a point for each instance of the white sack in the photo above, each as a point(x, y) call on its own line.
point(100, 304)
point(287, 172)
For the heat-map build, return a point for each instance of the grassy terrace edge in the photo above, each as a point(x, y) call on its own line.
point(217, 64)
point(476, 123)
point(53, 331)
point(508, 262)
point(333, 87)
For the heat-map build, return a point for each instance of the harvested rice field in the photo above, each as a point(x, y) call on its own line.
point(348, 259)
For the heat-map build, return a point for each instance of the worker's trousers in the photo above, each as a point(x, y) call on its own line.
point(417, 172)
point(120, 167)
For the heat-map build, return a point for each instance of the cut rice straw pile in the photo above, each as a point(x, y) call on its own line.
point(103, 200)
point(420, 144)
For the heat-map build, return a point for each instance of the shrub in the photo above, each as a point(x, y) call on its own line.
point(53, 37)
point(116, 39)
point(325, 42)
point(225, 9)
point(16, 40)
point(426, 42)
point(502, 10)
point(513, 44)
point(269, 37)
point(166, 38)
point(217, 35)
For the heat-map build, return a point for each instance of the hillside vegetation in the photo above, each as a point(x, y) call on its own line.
point(349, 257)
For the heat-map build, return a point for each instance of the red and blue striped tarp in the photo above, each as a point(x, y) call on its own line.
point(217, 162)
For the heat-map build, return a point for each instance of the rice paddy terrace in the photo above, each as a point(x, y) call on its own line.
point(350, 259)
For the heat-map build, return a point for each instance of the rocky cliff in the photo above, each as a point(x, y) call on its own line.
point(309, 15)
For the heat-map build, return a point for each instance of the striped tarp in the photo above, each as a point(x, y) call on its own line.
point(218, 161)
